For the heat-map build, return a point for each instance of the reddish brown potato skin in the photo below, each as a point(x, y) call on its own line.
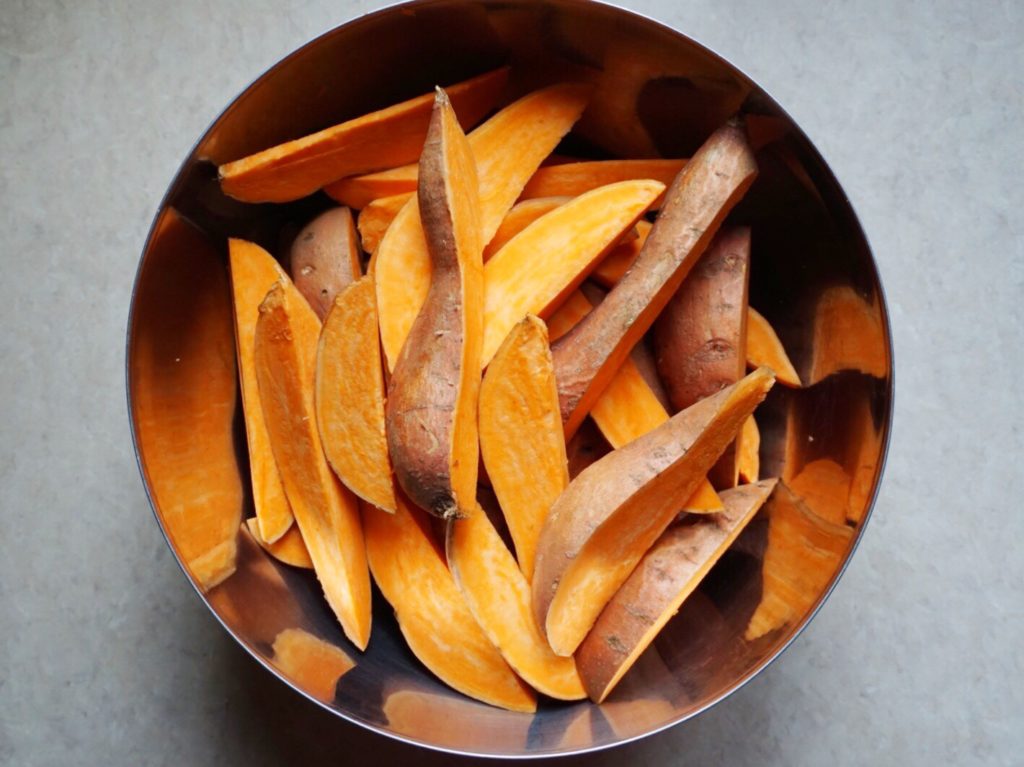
point(324, 259)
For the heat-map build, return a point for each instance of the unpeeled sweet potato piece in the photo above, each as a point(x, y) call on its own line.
point(498, 595)
point(804, 552)
point(327, 513)
point(765, 348)
point(381, 139)
point(521, 437)
point(521, 216)
point(376, 217)
point(617, 263)
point(432, 613)
point(313, 664)
point(350, 396)
point(748, 458)
point(184, 394)
point(289, 548)
point(431, 411)
point(324, 258)
point(703, 193)
point(575, 178)
point(848, 335)
point(659, 585)
point(507, 148)
point(611, 514)
point(253, 273)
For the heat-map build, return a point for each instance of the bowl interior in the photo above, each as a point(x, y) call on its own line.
point(657, 92)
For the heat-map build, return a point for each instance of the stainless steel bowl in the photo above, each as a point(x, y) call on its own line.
point(658, 92)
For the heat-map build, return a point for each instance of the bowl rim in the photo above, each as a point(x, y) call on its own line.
point(886, 424)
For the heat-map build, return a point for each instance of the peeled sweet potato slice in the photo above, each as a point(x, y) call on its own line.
point(659, 585)
point(324, 258)
point(498, 595)
point(703, 193)
point(824, 486)
point(524, 277)
point(289, 548)
point(521, 438)
point(432, 613)
point(253, 273)
point(376, 217)
point(521, 216)
point(360, 192)
point(381, 139)
point(765, 348)
point(507, 148)
point(748, 457)
point(312, 663)
point(617, 263)
point(350, 396)
point(431, 412)
point(804, 552)
point(848, 335)
point(184, 394)
point(326, 512)
point(601, 526)
point(575, 178)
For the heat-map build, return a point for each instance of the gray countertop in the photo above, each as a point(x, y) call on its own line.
point(106, 654)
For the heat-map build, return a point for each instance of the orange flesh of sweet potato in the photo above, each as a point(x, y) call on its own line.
point(516, 220)
point(700, 337)
point(617, 263)
point(184, 395)
point(825, 487)
point(498, 595)
point(327, 514)
point(604, 522)
point(703, 193)
point(324, 258)
point(289, 548)
point(313, 664)
point(253, 273)
point(521, 436)
point(431, 411)
point(545, 262)
point(575, 178)
point(659, 585)
point(765, 349)
point(507, 148)
point(848, 335)
point(381, 139)
point(350, 396)
point(376, 217)
point(628, 408)
point(803, 554)
point(748, 457)
point(360, 192)
point(432, 613)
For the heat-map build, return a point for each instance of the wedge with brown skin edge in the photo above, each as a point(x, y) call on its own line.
point(289, 548)
point(659, 585)
point(312, 663)
point(376, 217)
point(521, 216)
point(521, 438)
point(703, 193)
point(498, 595)
point(350, 396)
point(611, 269)
point(324, 258)
point(765, 348)
point(575, 178)
point(700, 337)
point(612, 513)
point(432, 613)
point(327, 513)
point(508, 148)
point(431, 411)
point(253, 273)
point(381, 139)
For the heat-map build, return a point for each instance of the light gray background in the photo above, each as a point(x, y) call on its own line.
point(107, 656)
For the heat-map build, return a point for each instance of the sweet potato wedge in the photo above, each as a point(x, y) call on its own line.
point(184, 393)
point(700, 337)
point(804, 552)
point(498, 595)
point(381, 139)
point(312, 663)
point(575, 178)
point(617, 263)
point(521, 437)
point(702, 194)
point(508, 148)
point(324, 258)
point(659, 585)
point(748, 458)
point(376, 217)
point(765, 349)
point(360, 192)
point(327, 514)
point(523, 277)
point(432, 613)
point(848, 335)
point(601, 526)
point(516, 220)
point(431, 411)
point(289, 548)
point(350, 396)
point(253, 273)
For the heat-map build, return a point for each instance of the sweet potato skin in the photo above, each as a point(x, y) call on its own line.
point(324, 258)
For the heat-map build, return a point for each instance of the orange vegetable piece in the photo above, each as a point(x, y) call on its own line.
point(617, 263)
point(325, 257)
point(312, 663)
point(289, 548)
point(377, 216)
point(575, 178)
point(824, 486)
point(748, 458)
point(765, 348)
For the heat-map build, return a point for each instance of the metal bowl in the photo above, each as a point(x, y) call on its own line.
point(659, 92)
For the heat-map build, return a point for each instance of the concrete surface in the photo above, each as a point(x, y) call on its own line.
point(106, 656)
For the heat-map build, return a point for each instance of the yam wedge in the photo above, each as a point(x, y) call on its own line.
point(748, 458)
point(289, 548)
point(575, 178)
point(516, 220)
point(618, 262)
point(765, 349)
point(376, 217)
